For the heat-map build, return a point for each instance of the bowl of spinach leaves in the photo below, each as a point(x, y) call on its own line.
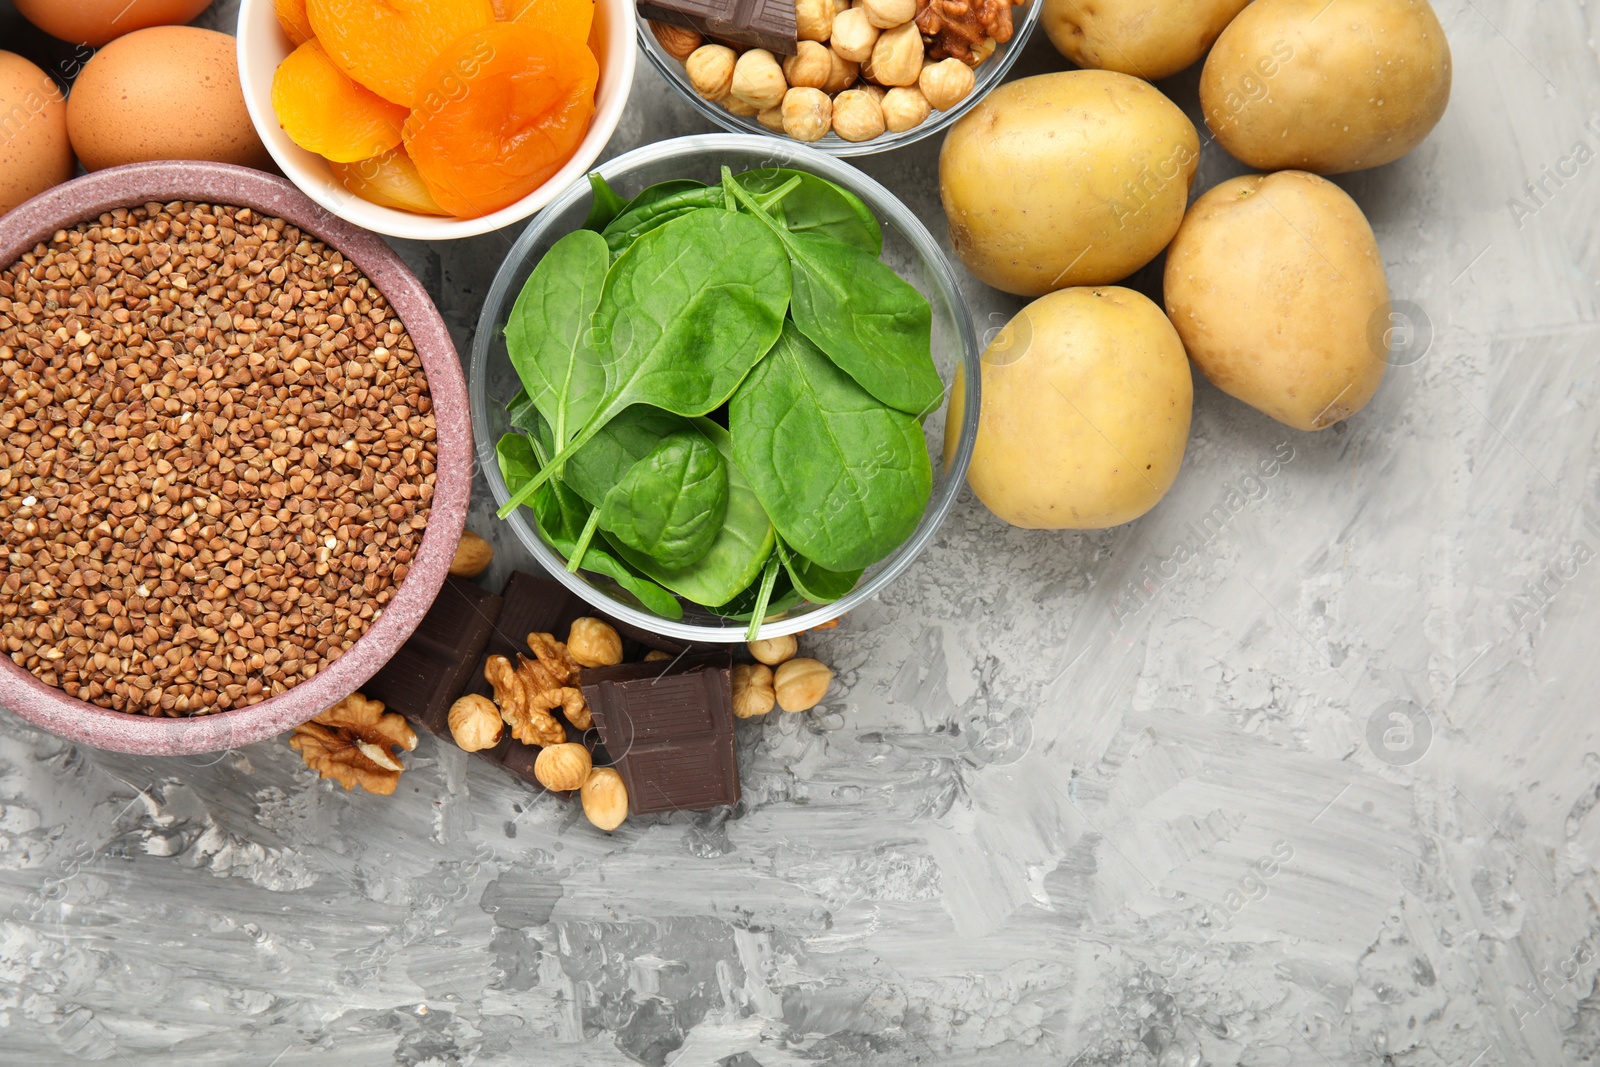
point(709, 389)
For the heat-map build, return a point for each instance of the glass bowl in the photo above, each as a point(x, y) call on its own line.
point(907, 247)
point(990, 73)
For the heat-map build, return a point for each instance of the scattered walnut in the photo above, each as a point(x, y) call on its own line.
point(774, 650)
point(841, 73)
point(352, 743)
point(811, 66)
point(857, 116)
point(605, 798)
point(475, 722)
point(904, 107)
point(710, 70)
point(752, 690)
point(853, 36)
point(896, 57)
point(676, 41)
point(594, 643)
point(525, 696)
point(562, 767)
point(946, 83)
point(813, 19)
point(758, 79)
point(800, 684)
point(886, 14)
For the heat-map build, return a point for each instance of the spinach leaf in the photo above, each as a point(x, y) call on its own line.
point(817, 206)
point(561, 516)
point(549, 334)
point(685, 313)
point(525, 417)
point(671, 503)
point(742, 607)
point(742, 546)
point(867, 318)
point(820, 586)
point(604, 204)
point(657, 206)
point(616, 447)
point(844, 478)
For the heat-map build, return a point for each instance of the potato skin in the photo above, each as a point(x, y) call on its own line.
point(1087, 398)
point(1275, 283)
point(1358, 87)
point(1149, 39)
point(1077, 178)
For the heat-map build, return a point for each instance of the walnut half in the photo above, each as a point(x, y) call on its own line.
point(959, 29)
point(526, 694)
point(353, 742)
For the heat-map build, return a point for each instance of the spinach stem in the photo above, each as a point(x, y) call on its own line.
point(582, 547)
point(523, 495)
point(767, 201)
point(756, 209)
point(769, 578)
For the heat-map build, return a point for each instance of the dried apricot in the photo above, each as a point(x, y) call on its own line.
point(387, 44)
point(500, 111)
point(567, 18)
point(294, 20)
point(323, 111)
point(389, 179)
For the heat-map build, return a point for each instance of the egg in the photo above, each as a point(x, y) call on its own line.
point(34, 151)
point(97, 22)
point(169, 92)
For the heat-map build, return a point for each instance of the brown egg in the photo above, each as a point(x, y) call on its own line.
point(97, 22)
point(34, 151)
point(170, 92)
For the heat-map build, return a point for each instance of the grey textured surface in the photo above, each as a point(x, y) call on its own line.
point(1325, 794)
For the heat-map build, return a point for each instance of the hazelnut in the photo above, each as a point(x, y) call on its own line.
point(735, 106)
point(813, 19)
point(897, 56)
point(563, 767)
point(800, 684)
point(886, 14)
point(752, 690)
point(605, 798)
point(710, 70)
point(772, 118)
point(811, 66)
point(774, 650)
point(946, 83)
point(807, 113)
point(875, 91)
point(904, 106)
point(593, 643)
point(676, 41)
point(473, 556)
point(841, 5)
point(758, 80)
point(475, 722)
point(857, 115)
point(841, 73)
point(853, 36)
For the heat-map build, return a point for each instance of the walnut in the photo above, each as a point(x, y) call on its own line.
point(554, 656)
point(525, 695)
point(957, 29)
point(352, 743)
point(605, 798)
point(593, 643)
point(752, 690)
point(475, 723)
point(473, 556)
point(800, 684)
point(562, 768)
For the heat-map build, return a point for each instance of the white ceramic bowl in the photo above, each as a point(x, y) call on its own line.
point(263, 45)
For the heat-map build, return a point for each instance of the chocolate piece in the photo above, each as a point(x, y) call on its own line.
point(765, 24)
point(435, 664)
point(668, 728)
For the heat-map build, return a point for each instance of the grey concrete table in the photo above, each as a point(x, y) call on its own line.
point(1323, 793)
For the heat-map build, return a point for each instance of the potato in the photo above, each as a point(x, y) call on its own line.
point(1077, 178)
point(1357, 87)
point(1147, 38)
point(1275, 284)
point(1086, 404)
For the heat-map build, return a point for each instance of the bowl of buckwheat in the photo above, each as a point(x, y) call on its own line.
point(236, 457)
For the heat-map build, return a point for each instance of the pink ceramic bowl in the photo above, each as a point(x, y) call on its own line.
point(218, 183)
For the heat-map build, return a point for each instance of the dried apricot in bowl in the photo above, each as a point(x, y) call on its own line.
point(386, 45)
point(294, 20)
point(501, 110)
point(565, 18)
point(323, 111)
point(390, 180)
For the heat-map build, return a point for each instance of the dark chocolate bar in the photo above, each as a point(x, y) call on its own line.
point(435, 664)
point(668, 729)
point(765, 24)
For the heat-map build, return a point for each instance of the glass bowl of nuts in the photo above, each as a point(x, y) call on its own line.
point(803, 593)
point(866, 77)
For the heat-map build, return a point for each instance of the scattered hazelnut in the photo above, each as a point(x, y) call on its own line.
point(738, 107)
point(562, 768)
point(710, 70)
point(475, 722)
point(904, 107)
point(896, 56)
point(800, 684)
point(886, 14)
point(811, 66)
point(758, 80)
point(605, 798)
point(841, 73)
point(752, 690)
point(656, 656)
point(772, 118)
point(676, 41)
point(807, 113)
point(593, 643)
point(813, 19)
point(774, 650)
point(946, 83)
point(857, 115)
point(473, 556)
point(853, 36)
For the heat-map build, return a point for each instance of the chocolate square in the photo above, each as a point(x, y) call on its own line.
point(434, 665)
